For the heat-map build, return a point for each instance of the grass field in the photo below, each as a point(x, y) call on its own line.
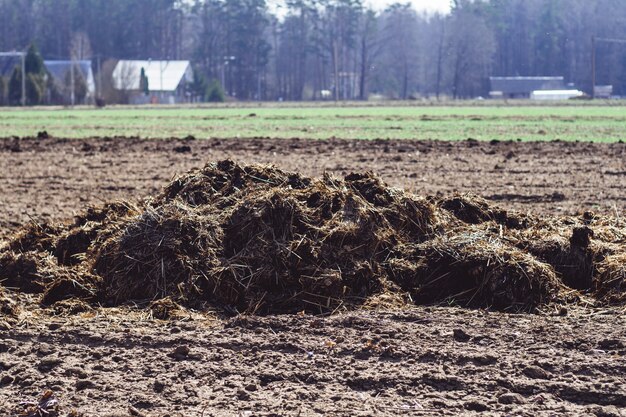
point(583, 123)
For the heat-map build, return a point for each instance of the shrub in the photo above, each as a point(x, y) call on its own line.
point(215, 93)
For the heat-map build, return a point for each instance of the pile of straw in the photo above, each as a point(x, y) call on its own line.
point(260, 240)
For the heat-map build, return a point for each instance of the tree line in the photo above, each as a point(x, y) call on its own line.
point(341, 49)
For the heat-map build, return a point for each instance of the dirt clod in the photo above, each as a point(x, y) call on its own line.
point(460, 335)
point(83, 384)
point(511, 398)
point(43, 135)
point(536, 372)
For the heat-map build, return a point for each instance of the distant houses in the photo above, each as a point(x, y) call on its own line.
point(603, 91)
point(60, 83)
point(173, 81)
point(153, 81)
point(58, 80)
point(136, 81)
point(523, 87)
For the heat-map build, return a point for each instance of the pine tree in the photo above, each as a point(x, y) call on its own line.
point(15, 86)
point(215, 93)
point(3, 91)
point(35, 80)
point(35, 89)
point(34, 61)
point(199, 87)
point(144, 85)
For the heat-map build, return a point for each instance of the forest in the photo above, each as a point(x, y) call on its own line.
point(341, 49)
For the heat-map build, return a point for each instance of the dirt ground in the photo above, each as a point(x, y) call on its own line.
point(420, 361)
point(428, 361)
point(51, 179)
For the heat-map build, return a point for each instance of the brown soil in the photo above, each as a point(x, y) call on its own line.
point(359, 243)
point(53, 178)
point(421, 362)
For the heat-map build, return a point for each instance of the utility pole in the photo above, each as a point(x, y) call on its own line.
point(227, 60)
point(593, 67)
point(72, 86)
point(23, 79)
point(223, 75)
point(258, 79)
point(99, 87)
point(336, 70)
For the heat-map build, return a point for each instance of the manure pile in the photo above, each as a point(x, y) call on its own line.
point(259, 240)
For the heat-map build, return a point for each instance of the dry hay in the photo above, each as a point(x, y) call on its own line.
point(610, 283)
point(482, 270)
point(472, 210)
point(25, 271)
point(260, 240)
point(164, 309)
point(161, 251)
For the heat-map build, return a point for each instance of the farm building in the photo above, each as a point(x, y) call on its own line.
point(166, 80)
point(58, 90)
point(522, 87)
point(603, 91)
point(8, 64)
point(60, 71)
point(556, 94)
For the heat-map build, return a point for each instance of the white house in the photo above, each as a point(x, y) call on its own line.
point(167, 80)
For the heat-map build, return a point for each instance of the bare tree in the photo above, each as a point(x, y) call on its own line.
point(472, 47)
point(80, 46)
point(397, 64)
point(370, 48)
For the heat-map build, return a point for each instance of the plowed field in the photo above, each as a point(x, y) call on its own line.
point(179, 358)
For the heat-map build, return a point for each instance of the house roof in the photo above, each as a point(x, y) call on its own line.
point(525, 85)
point(8, 64)
point(162, 75)
point(58, 69)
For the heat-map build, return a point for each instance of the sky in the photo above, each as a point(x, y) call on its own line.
point(431, 6)
point(419, 5)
